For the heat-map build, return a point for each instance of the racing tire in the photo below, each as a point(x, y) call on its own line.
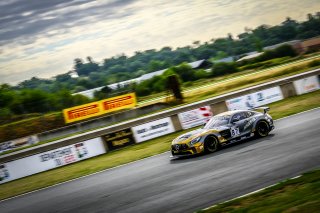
point(211, 144)
point(262, 129)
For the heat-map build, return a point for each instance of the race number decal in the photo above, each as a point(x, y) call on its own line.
point(235, 132)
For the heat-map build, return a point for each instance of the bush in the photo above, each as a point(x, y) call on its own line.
point(223, 68)
point(199, 74)
point(142, 90)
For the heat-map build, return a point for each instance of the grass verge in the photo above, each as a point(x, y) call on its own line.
point(136, 152)
point(295, 195)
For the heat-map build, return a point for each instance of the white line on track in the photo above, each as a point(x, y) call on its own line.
point(136, 162)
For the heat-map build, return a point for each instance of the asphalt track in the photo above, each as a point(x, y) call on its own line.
point(160, 184)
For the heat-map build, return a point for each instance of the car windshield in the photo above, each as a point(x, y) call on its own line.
point(217, 121)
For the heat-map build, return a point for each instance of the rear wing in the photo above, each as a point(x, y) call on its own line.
point(265, 109)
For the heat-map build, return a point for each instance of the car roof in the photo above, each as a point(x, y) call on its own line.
point(232, 112)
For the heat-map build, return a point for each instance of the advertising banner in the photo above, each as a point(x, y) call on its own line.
point(306, 85)
point(4, 173)
point(119, 139)
point(120, 102)
point(17, 143)
point(81, 112)
point(97, 108)
point(255, 99)
point(49, 160)
point(152, 129)
point(195, 117)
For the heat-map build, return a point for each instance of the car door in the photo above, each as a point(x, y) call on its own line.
point(238, 122)
point(248, 122)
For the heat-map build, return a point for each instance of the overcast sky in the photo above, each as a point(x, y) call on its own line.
point(42, 37)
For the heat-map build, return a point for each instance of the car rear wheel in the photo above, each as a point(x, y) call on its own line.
point(211, 144)
point(262, 129)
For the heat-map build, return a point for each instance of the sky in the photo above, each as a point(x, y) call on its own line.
point(41, 38)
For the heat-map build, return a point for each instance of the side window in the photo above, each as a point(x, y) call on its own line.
point(239, 116)
point(249, 114)
point(236, 117)
point(243, 115)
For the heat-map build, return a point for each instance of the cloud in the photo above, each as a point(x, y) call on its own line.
point(42, 37)
point(27, 19)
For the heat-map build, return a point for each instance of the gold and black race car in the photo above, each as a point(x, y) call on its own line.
point(222, 129)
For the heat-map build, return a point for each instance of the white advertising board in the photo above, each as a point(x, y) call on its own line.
point(195, 117)
point(152, 129)
point(49, 160)
point(256, 99)
point(306, 85)
point(17, 143)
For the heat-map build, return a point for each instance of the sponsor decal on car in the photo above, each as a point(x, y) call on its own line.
point(250, 122)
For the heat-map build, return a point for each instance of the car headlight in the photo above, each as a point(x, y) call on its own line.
point(194, 141)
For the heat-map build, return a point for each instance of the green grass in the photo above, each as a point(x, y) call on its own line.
point(296, 195)
point(136, 152)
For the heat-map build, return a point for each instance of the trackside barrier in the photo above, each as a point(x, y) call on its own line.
point(69, 150)
point(51, 159)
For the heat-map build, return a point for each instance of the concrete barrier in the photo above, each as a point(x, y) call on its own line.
point(216, 103)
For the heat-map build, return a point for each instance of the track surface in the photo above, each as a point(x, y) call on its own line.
point(159, 184)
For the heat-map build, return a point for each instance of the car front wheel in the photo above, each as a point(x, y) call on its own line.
point(211, 144)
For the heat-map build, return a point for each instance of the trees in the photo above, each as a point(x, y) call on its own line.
point(185, 72)
point(103, 93)
point(279, 52)
point(28, 101)
point(223, 68)
point(85, 68)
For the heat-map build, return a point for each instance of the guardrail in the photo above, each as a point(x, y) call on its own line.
point(218, 104)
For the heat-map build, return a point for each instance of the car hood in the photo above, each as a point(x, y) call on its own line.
point(187, 137)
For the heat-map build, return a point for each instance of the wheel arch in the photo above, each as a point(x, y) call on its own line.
point(257, 121)
point(212, 134)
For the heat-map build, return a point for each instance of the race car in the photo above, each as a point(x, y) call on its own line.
point(223, 129)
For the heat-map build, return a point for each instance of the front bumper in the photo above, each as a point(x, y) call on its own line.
point(185, 150)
